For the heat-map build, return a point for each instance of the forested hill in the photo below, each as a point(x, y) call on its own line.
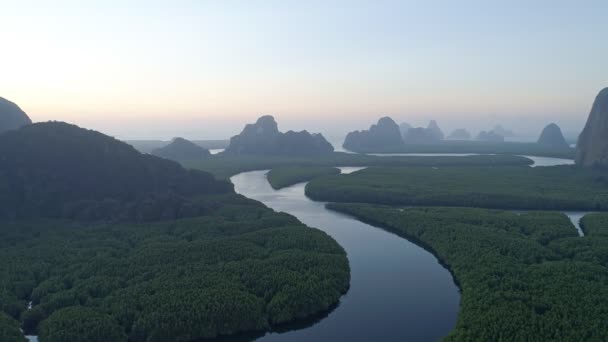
point(55, 169)
point(214, 264)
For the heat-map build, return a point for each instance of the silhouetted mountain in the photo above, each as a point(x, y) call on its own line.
point(147, 146)
point(181, 149)
point(498, 129)
point(264, 139)
point(404, 128)
point(59, 170)
point(384, 134)
point(11, 116)
point(435, 130)
point(552, 136)
point(421, 135)
point(592, 146)
point(459, 134)
point(490, 136)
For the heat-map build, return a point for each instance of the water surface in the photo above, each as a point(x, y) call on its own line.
point(399, 292)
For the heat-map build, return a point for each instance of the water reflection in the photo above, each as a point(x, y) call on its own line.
point(399, 292)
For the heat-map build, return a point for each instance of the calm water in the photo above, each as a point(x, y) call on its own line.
point(575, 217)
point(547, 161)
point(399, 292)
point(538, 161)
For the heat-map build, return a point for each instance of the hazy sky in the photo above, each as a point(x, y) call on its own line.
point(202, 69)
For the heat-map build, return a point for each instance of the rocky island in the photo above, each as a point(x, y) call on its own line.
point(552, 137)
point(263, 138)
point(385, 134)
point(181, 149)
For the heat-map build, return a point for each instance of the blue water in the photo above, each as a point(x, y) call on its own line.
point(399, 292)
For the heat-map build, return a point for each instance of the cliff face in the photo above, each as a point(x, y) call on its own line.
point(11, 116)
point(592, 146)
point(552, 137)
point(263, 138)
point(384, 134)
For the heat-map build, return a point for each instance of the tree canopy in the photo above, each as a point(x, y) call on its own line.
point(59, 170)
point(523, 277)
point(544, 188)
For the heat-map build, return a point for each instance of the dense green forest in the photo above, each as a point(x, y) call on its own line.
point(9, 329)
point(227, 166)
point(286, 176)
point(480, 147)
point(108, 244)
point(523, 277)
point(546, 188)
point(58, 170)
point(595, 224)
point(242, 268)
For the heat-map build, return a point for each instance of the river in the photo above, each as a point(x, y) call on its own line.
point(399, 291)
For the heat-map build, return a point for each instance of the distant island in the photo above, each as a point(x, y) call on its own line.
point(490, 136)
point(507, 133)
point(552, 136)
point(181, 149)
point(263, 138)
point(387, 137)
point(404, 127)
point(459, 134)
point(436, 132)
point(147, 146)
point(11, 116)
point(384, 133)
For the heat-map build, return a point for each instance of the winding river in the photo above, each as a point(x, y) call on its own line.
point(399, 292)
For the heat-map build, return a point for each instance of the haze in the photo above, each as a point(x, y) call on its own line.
point(202, 69)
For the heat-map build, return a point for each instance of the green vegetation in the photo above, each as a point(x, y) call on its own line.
point(227, 166)
point(543, 188)
point(81, 324)
point(242, 267)
point(58, 170)
point(523, 277)
point(595, 224)
point(285, 176)
point(9, 329)
point(480, 147)
point(109, 244)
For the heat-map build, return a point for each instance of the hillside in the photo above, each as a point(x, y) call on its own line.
point(59, 170)
point(213, 263)
point(11, 116)
point(181, 149)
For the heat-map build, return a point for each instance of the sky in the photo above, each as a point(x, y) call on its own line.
point(202, 69)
